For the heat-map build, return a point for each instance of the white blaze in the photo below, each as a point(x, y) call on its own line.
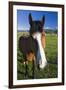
point(41, 54)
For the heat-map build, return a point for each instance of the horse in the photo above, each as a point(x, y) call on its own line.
point(33, 46)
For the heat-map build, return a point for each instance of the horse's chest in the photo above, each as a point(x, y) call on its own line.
point(28, 45)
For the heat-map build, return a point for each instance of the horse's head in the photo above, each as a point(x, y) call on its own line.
point(36, 26)
point(36, 30)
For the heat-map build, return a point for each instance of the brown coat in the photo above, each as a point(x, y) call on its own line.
point(43, 39)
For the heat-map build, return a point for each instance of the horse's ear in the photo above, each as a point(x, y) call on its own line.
point(43, 20)
point(30, 19)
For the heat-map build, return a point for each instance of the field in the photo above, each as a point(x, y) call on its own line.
point(51, 69)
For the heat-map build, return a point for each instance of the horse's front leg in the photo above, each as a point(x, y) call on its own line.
point(26, 69)
point(33, 68)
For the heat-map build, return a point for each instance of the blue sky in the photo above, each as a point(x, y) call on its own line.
point(51, 19)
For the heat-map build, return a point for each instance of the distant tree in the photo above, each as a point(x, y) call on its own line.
point(49, 31)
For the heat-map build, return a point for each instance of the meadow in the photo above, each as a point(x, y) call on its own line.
point(51, 69)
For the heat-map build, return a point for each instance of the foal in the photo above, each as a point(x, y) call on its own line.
point(32, 46)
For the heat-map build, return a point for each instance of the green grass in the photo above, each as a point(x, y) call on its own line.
point(51, 70)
